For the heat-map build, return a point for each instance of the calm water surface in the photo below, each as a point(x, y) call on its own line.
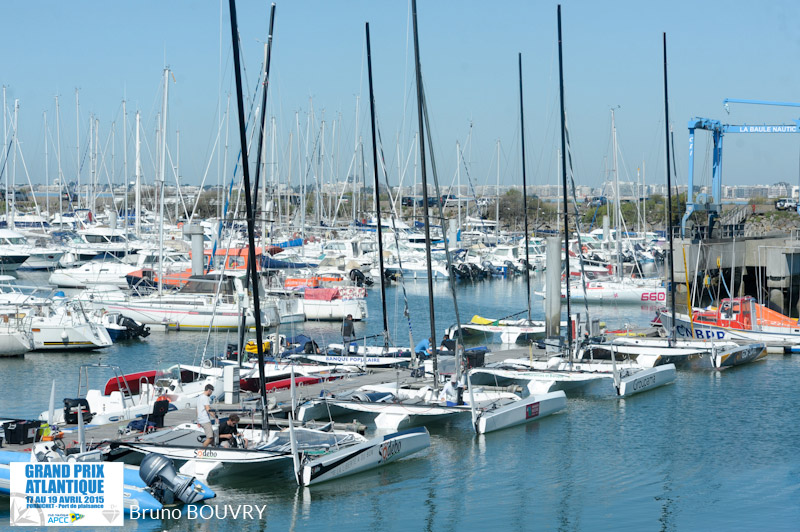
point(713, 451)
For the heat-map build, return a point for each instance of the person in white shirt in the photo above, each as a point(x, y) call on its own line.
point(204, 414)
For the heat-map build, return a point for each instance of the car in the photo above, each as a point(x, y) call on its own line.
point(598, 201)
point(786, 204)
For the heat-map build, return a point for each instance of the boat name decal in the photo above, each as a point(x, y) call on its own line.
point(532, 410)
point(701, 334)
point(387, 450)
point(204, 453)
point(654, 296)
point(640, 384)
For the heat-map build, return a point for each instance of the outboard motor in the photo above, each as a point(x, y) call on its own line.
point(134, 328)
point(74, 408)
point(158, 472)
point(232, 352)
point(358, 277)
point(510, 268)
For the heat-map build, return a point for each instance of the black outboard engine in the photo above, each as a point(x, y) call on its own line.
point(358, 277)
point(74, 408)
point(510, 268)
point(232, 352)
point(158, 472)
point(135, 329)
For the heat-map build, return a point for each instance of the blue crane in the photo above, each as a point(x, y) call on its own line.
point(713, 203)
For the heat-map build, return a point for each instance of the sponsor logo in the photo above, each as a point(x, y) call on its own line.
point(532, 410)
point(387, 450)
point(700, 334)
point(204, 453)
point(640, 384)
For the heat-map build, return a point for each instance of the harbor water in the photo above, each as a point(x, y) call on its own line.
point(712, 451)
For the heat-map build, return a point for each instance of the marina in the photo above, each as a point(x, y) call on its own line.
point(398, 342)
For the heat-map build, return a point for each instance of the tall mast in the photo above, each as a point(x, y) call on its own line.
point(259, 153)
point(564, 181)
point(425, 206)
point(669, 199)
point(46, 169)
point(6, 150)
point(377, 195)
point(177, 175)
point(616, 193)
point(138, 185)
point(58, 155)
point(161, 178)
point(525, 190)
point(125, 160)
point(355, 166)
point(497, 201)
point(78, 144)
point(14, 174)
point(251, 263)
point(262, 120)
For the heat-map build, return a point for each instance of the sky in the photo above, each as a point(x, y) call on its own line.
point(613, 59)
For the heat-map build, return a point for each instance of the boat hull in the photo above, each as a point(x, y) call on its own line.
point(365, 456)
point(646, 379)
point(525, 410)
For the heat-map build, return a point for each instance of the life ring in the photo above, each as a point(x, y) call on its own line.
point(584, 249)
point(180, 224)
point(295, 236)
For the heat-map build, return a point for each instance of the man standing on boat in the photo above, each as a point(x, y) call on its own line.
point(204, 414)
point(348, 332)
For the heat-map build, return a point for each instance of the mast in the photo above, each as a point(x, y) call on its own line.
point(46, 170)
point(564, 180)
point(78, 145)
point(161, 179)
point(58, 155)
point(138, 185)
point(669, 200)
point(251, 263)
point(5, 149)
point(620, 273)
point(125, 160)
point(525, 189)
point(425, 208)
point(259, 150)
point(15, 140)
point(497, 201)
point(377, 195)
point(177, 174)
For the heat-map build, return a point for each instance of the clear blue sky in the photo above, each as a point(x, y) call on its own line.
point(612, 55)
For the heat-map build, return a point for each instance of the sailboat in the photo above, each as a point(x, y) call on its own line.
point(565, 370)
point(705, 340)
point(619, 290)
